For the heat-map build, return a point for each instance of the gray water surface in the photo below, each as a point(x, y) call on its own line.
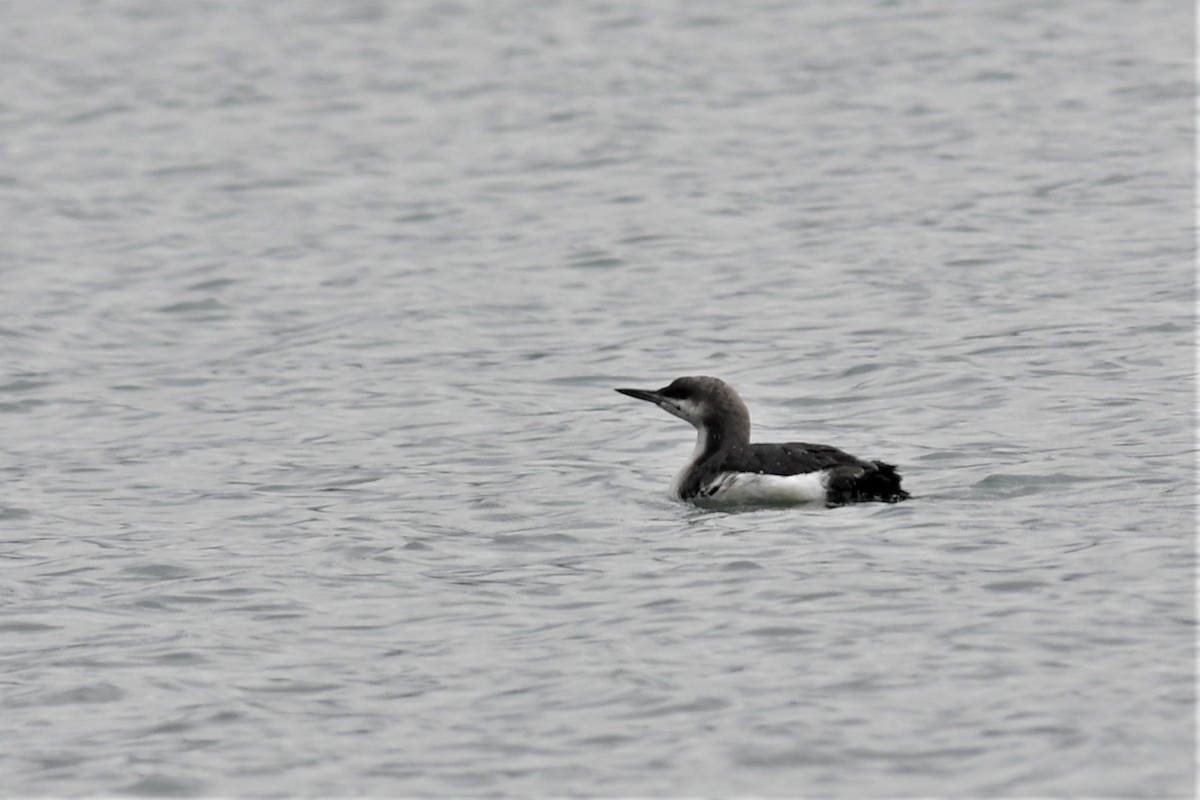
point(315, 482)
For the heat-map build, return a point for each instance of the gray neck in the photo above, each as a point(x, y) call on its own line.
point(723, 432)
point(713, 436)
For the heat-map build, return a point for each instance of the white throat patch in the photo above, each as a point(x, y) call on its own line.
point(701, 440)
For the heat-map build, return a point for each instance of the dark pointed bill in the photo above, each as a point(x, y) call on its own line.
point(643, 394)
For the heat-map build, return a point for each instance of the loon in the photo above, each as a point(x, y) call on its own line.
point(726, 469)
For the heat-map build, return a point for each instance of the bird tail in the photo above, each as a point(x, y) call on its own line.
point(880, 481)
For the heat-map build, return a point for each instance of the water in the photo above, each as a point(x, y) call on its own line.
point(315, 484)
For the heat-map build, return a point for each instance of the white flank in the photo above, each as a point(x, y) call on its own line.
point(749, 488)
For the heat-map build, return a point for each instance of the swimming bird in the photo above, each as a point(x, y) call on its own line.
point(726, 469)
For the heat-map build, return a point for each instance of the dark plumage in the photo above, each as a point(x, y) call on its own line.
point(724, 454)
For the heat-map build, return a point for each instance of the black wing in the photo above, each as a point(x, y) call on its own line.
point(793, 458)
point(850, 479)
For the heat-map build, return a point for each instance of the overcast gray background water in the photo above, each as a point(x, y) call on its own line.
point(314, 482)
